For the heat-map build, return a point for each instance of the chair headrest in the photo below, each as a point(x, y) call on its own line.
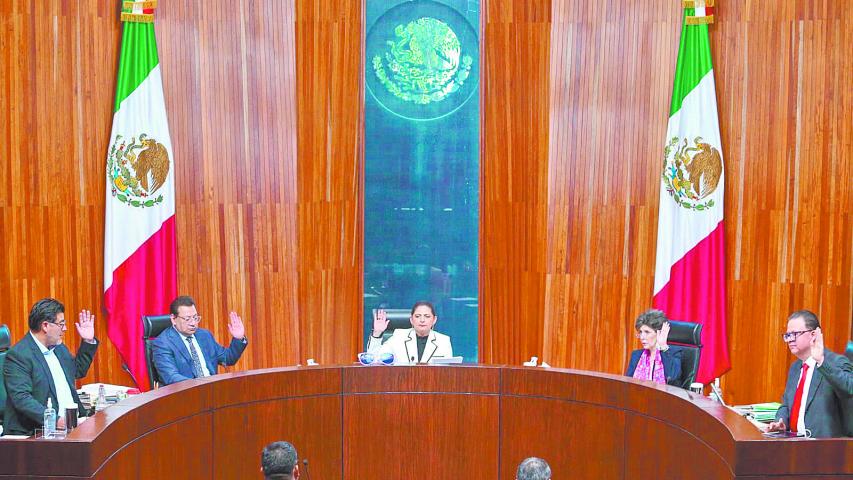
point(153, 325)
point(5, 338)
point(685, 333)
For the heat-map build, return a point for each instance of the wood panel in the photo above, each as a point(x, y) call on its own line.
point(568, 228)
point(574, 103)
point(330, 174)
point(469, 422)
point(276, 240)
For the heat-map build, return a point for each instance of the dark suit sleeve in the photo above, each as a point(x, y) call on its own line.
point(784, 412)
point(18, 375)
point(83, 360)
point(838, 371)
point(229, 356)
point(632, 362)
point(165, 363)
point(671, 359)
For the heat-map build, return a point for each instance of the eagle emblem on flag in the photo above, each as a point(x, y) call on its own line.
point(137, 169)
point(691, 172)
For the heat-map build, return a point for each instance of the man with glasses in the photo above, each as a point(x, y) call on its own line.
point(40, 367)
point(188, 351)
point(818, 396)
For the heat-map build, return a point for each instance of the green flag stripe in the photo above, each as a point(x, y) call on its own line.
point(138, 58)
point(694, 60)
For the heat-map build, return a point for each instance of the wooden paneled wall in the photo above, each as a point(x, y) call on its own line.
point(275, 239)
point(265, 103)
point(571, 163)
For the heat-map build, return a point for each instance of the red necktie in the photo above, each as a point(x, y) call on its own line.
point(798, 399)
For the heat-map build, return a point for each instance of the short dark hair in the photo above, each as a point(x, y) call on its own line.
point(278, 460)
point(808, 317)
point(45, 310)
point(182, 301)
point(423, 303)
point(653, 319)
point(533, 468)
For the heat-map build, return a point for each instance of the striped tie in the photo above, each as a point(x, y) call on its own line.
point(197, 372)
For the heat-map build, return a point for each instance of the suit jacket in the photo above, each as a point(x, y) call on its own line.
point(29, 383)
point(172, 359)
point(671, 359)
point(404, 345)
point(829, 406)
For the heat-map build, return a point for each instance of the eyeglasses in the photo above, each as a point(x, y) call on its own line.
point(368, 358)
point(194, 318)
point(791, 336)
point(61, 325)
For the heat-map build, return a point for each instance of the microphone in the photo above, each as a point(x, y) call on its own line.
point(305, 467)
point(412, 359)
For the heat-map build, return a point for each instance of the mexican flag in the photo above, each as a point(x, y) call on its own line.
point(140, 261)
point(690, 277)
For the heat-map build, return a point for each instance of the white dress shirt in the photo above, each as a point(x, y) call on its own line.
point(801, 418)
point(184, 338)
point(60, 382)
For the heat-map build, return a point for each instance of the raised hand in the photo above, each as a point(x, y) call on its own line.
point(817, 346)
point(86, 326)
point(663, 334)
point(235, 326)
point(380, 322)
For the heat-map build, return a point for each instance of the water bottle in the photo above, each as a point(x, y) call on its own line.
point(101, 402)
point(49, 420)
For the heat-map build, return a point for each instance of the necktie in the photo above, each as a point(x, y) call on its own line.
point(197, 372)
point(798, 400)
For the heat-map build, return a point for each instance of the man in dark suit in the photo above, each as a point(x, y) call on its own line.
point(40, 367)
point(186, 351)
point(819, 393)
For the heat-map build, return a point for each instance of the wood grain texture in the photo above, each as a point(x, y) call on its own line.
point(265, 103)
point(576, 98)
point(278, 241)
point(588, 425)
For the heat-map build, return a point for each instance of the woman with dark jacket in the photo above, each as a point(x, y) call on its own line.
point(656, 361)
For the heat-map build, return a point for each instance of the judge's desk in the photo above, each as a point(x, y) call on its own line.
point(443, 422)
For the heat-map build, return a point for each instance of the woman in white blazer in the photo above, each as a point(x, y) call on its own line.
point(419, 344)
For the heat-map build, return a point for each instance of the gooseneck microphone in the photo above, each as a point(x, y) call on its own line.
point(305, 467)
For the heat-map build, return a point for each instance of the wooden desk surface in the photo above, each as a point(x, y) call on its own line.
point(461, 421)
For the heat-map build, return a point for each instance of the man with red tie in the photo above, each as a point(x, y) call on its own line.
point(818, 396)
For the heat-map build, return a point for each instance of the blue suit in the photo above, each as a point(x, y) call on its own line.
point(172, 359)
point(671, 360)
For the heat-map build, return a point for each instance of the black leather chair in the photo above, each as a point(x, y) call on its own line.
point(397, 318)
point(5, 344)
point(152, 326)
point(689, 336)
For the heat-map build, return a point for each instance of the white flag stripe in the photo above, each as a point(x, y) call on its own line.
point(696, 118)
point(134, 117)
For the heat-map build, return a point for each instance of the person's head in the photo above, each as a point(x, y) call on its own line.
point(533, 468)
point(647, 325)
point(47, 321)
point(278, 461)
point(800, 333)
point(185, 317)
point(423, 318)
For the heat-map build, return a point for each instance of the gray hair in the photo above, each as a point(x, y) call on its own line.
point(533, 468)
point(278, 460)
point(653, 319)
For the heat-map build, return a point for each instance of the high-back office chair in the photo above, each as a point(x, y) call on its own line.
point(689, 336)
point(5, 343)
point(152, 326)
point(397, 318)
